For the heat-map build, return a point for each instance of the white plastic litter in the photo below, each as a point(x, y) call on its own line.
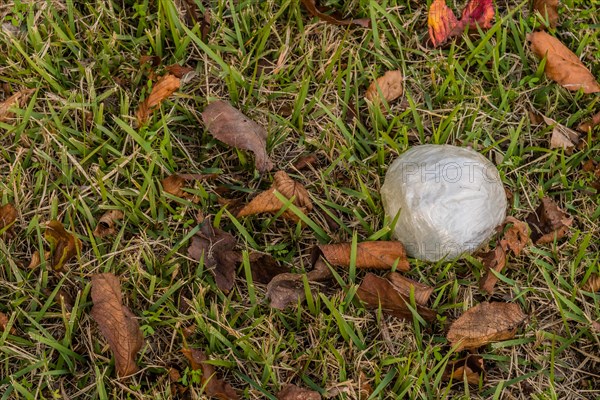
point(449, 199)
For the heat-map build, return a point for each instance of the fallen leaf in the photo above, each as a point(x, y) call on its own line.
point(589, 124)
point(376, 292)
point(216, 248)
point(231, 127)
point(592, 284)
point(64, 245)
point(267, 202)
point(320, 271)
point(117, 324)
point(548, 9)
point(179, 70)
point(562, 65)
point(4, 323)
point(62, 297)
point(494, 260)
point(389, 86)
point(331, 16)
point(162, 89)
point(174, 184)
point(471, 367)
point(176, 387)
point(205, 25)
point(36, 260)
point(285, 289)
point(443, 24)
point(18, 99)
point(485, 323)
point(264, 268)
point(596, 326)
point(8, 215)
point(548, 222)
point(106, 223)
point(405, 286)
point(306, 161)
point(516, 236)
point(152, 60)
point(376, 255)
point(593, 168)
point(562, 137)
point(365, 390)
point(213, 386)
point(477, 13)
point(293, 392)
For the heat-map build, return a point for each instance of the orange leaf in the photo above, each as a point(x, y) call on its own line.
point(16, 100)
point(117, 324)
point(64, 245)
point(174, 184)
point(516, 237)
point(562, 65)
point(388, 87)
point(333, 17)
point(164, 87)
point(4, 323)
point(213, 386)
point(471, 367)
point(548, 9)
point(441, 22)
point(478, 13)
point(8, 215)
point(405, 286)
point(377, 255)
point(592, 284)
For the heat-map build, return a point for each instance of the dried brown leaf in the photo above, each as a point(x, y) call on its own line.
point(4, 323)
point(162, 89)
point(106, 223)
point(36, 260)
point(174, 184)
point(213, 386)
point(405, 286)
point(179, 70)
point(592, 284)
point(285, 289)
point(365, 390)
point(18, 99)
point(303, 162)
point(548, 9)
point(293, 392)
point(216, 248)
point(64, 245)
point(152, 60)
point(8, 215)
point(376, 292)
point(331, 16)
point(116, 322)
point(264, 268)
point(589, 124)
point(377, 255)
point(471, 367)
point(494, 260)
point(231, 127)
point(267, 202)
point(548, 222)
point(320, 271)
point(516, 236)
point(485, 323)
point(562, 65)
point(562, 137)
point(388, 87)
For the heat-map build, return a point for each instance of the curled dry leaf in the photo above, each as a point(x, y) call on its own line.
point(216, 248)
point(485, 323)
point(117, 324)
point(293, 392)
point(471, 367)
point(285, 289)
point(231, 127)
point(267, 201)
point(548, 222)
point(377, 255)
point(562, 65)
point(36, 260)
point(16, 100)
point(4, 324)
point(8, 215)
point(443, 24)
point(162, 89)
point(264, 268)
point(562, 137)
point(548, 9)
point(516, 236)
point(376, 292)
point(64, 245)
point(331, 16)
point(405, 286)
point(106, 223)
point(589, 124)
point(213, 386)
point(592, 284)
point(388, 87)
point(493, 260)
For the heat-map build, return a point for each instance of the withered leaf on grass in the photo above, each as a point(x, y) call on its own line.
point(162, 89)
point(285, 289)
point(548, 222)
point(562, 137)
point(592, 284)
point(107, 222)
point(267, 201)
point(377, 255)
point(493, 260)
point(231, 127)
point(443, 24)
point(293, 392)
point(405, 286)
point(4, 323)
point(389, 86)
point(485, 323)
point(562, 65)
point(8, 215)
point(216, 248)
point(589, 124)
point(174, 184)
point(16, 100)
point(376, 292)
point(179, 70)
point(470, 367)
point(264, 268)
point(516, 236)
point(116, 322)
point(213, 386)
point(333, 17)
point(64, 245)
point(548, 9)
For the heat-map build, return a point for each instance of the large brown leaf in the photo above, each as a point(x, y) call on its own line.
point(162, 89)
point(331, 16)
point(16, 100)
point(485, 323)
point(548, 9)
point(117, 324)
point(107, 222)
point(388, 88)
point(443, 24)
point(293, 392)
point(562, 65)
point(64, 245)
point(267, 201)
point(216, 247)
point(405, 286)
point(377, 255)
point(8, 215)
point(376, 292)
point(471, 367)
point(213, 386)
point(231, 127)
point(548, 222)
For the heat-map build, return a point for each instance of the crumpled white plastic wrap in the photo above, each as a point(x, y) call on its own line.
point(450, 200)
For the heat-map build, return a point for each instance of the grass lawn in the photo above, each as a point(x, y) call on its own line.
point(74, 151)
